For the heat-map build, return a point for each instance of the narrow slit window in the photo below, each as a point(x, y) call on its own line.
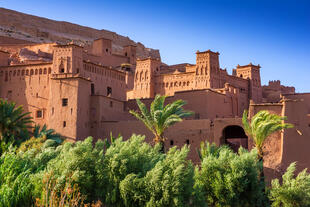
point(109, 91)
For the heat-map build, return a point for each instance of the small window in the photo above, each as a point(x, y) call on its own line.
point(77, 70)
point(64, 124)
point(52, 110)
point(107, 50)
point(64, 102)
point(39, 114)
point(92, 89)
point(171, 142)
point(109, 91)
point(62, 70)
point(111, 103)
point(187, 141)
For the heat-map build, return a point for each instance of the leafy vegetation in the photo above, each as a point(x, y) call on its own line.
point(47, 133)
point(294, 191)
point(261, 126)
point(45, 172)
point(230, 179)
point(19, 174)
point(14, 124)
point(169, 183)
point(78, 161)
point(125, 158)
point(160, 117)
point(69, 195)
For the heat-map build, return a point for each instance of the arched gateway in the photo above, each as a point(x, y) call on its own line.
point(234, 136)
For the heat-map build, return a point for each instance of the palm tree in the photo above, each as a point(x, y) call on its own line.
point(48, 133)
point(160, 117)
point(261, 126)
point(13, 121)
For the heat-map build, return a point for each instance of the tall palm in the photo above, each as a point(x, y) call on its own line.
point(13, 121)
point(48, 133)
point(160, 117)
point(261, 126)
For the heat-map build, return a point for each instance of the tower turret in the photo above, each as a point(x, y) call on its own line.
point(252, 73)
point(102, 47)
point(130, 52)
point(207, 70)
point(146, 70)
point(67, 59)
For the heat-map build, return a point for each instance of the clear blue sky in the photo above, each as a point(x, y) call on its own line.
point(272, 33)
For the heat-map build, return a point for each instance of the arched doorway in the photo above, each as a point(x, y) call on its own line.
point(234, 136)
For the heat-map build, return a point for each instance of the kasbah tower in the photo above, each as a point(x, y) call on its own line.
point(88, 91)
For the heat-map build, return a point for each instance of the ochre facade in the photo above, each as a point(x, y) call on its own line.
point(88, 91)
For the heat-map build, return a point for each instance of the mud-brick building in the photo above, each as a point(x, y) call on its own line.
point(88, 91)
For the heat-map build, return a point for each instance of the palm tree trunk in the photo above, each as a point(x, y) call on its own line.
point(159, 139)
point(261, 159)
point(162, 146)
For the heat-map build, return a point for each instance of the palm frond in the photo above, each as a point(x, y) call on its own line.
point(160, 117)
point(262, 125)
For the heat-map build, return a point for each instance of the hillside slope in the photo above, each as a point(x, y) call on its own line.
point(17, 27)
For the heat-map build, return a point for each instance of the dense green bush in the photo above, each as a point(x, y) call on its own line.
point(18, 174)
point(294, 191)
point(169, 183)
point(47, 133)
point(79, 162)
point(125, 158)
point(15, 185)
point(14, 125)
point(134, 173)
point(32, 144)
point(230, 179)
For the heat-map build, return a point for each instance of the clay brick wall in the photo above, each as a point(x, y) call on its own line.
point(272, 92)
point(104, 78)
point(4, 58)
point(28, 86)
point(291, 145)
point(168, 84)
point(188, 131)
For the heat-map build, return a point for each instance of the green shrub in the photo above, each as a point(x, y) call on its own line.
point(123, 158)
point(19, 175)
point(15, 185)
point(169, 183)
point(230, 179)
point(294, 191)
point(77, 161)
point(207, 149)
point(32, 143)
point(68, 196)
